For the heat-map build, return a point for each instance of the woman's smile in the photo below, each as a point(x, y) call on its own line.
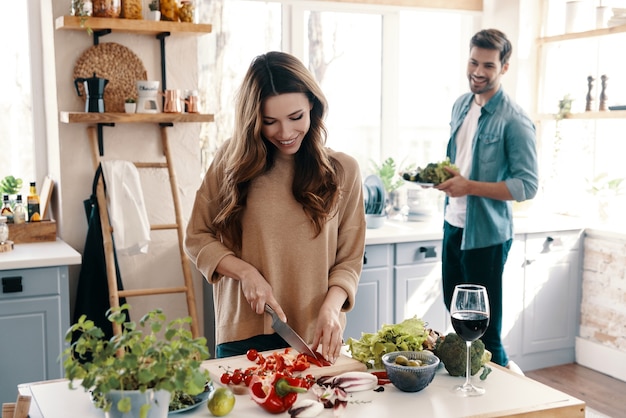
point(286, 120)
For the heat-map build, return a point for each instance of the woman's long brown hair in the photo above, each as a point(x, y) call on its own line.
point(317, 176)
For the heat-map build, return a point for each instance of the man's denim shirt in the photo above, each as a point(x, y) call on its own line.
point(503, 149)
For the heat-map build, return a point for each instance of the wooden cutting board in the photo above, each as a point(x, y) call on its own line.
point(343, 364)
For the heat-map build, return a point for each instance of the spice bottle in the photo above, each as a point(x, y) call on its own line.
point(4, 229)
point(6, 211)
point(33, 204)
point(19, 213)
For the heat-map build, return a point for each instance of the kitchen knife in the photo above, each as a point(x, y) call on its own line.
point(288, 334)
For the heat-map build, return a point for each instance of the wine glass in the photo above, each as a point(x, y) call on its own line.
point(470, 316)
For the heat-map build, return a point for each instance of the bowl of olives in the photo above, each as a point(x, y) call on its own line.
point(411, 371)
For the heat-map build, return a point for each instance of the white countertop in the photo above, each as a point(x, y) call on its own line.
point(395, 231)
point(39, 254)
point(508, 394)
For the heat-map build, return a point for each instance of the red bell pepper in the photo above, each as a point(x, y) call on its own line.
point(276, 392)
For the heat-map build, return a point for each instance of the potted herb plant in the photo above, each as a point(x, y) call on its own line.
point(130, 106)
point(135, 363)
point(155, 12)
point(392, 181)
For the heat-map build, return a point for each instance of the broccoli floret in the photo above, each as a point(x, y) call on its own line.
point(451, 351)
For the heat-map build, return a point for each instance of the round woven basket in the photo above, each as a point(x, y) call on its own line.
point(115, 63)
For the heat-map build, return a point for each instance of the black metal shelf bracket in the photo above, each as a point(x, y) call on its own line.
point(101, 137)
point(98, 33)
point(161, 37)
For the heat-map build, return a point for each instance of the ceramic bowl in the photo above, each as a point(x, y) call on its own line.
point(411, 378)
point(374, 221)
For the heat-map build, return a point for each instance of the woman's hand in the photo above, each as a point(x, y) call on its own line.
point(256, 289)
point(328, 330)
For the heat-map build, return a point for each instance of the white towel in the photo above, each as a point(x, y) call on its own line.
point(127, 210)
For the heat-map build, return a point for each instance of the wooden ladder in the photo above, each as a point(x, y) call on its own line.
point(107, 232)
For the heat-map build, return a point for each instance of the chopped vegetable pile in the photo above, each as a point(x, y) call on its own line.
point(409, 335)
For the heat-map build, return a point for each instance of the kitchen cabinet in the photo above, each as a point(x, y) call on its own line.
point(541, 295)
point(418, 289)
point(34, 313)
point(552, 295)
point(374, 298)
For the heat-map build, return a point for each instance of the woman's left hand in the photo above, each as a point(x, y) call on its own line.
point(328, 331)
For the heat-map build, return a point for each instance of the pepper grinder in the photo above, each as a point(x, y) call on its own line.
point(590, 80)
point(603, 96)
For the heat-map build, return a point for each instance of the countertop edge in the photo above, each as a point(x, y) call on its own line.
point(39, 254)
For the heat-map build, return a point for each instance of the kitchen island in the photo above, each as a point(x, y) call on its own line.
point(508, 395)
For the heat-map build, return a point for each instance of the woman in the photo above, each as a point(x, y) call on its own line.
point(279, 219)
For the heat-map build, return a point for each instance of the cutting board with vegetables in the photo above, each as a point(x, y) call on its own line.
point(344, 363)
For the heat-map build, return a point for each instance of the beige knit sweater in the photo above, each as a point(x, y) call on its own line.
point(279, 241)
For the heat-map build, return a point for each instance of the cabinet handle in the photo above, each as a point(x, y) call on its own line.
point(549, 243)
point(429, 252)
point(12, 284)
point(364, 258)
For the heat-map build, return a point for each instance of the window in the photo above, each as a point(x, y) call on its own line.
point(17, 145)
point(390, 88)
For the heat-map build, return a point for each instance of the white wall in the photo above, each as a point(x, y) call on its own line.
point(161, 267)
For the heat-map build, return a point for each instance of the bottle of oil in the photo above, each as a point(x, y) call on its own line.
point(33, 204)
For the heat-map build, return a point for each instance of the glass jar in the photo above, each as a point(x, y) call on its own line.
point(132, 9)
point(4, 229)
point(186, 11)
point(107, 8)
point(169, 10)
point(81, 8)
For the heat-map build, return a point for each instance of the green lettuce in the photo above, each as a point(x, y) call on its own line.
point(409, 335)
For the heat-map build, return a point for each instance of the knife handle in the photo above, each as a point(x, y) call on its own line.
point(269, 310)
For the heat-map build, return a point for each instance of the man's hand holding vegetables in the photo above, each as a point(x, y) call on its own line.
point(458, 186)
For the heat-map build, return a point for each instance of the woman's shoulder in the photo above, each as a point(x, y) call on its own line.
point(346, 160)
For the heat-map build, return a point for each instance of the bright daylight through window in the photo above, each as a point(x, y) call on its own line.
point(17, 156)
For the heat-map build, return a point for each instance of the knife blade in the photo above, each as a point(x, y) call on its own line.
point(288, 334)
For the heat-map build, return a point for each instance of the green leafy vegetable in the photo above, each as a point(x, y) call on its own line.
point(409, 335)
point(434, 173)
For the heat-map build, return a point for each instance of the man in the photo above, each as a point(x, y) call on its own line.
point(492, 143)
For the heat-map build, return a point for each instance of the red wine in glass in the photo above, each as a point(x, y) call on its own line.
point(470, 325)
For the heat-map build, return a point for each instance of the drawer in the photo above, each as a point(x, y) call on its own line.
point(418, 252)
point(30, 282)
point(377, 256)
point(552, 242)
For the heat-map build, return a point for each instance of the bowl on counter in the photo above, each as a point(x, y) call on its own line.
point(374, 221)
point(411, 378)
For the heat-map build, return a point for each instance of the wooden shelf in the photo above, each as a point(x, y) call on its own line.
point(148, 27)
point(112, 117)
point(610, 114)
point(583, 35)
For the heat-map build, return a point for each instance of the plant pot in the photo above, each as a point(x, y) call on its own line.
point(159, 403)
point(154, 15)
point(130, 107)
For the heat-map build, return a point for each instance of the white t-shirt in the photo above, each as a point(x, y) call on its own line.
point(457, 206)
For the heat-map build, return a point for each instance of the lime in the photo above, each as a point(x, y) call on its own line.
point(221, 402)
